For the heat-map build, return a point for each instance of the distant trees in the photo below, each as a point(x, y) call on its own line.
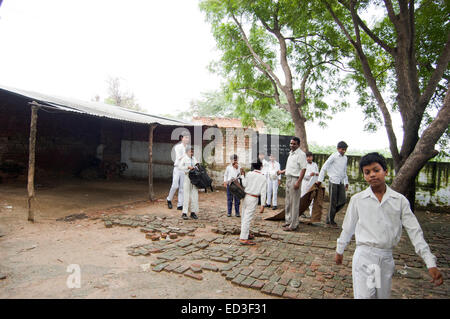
point(116, 96)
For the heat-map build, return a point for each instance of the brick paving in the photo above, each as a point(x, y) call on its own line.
point(292, 265)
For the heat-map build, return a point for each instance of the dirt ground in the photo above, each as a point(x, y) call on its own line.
point(35, 256)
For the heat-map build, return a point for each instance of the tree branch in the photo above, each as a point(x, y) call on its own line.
point(437, 75)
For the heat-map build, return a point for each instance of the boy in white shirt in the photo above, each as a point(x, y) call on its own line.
point(190, 191)
point(254, 184)
point(178, 174)
point(311, 174)
point(376, 217)
point(273, 180)
point(231, 172)
point(262, 159)
point(336, 167)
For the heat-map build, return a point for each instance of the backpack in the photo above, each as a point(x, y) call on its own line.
point(200, 178)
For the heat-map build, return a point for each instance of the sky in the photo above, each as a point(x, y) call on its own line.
point(160, 50)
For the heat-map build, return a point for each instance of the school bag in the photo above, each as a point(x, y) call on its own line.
point(200, 178)
point(236, 188)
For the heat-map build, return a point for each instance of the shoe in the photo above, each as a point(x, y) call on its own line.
point(180, 207)
point(288, 228)
point(333, 224)
point(246, 242)
point(275, 207)
point(237, 215)
point(169, 204)
point(285, 225)
point(267, 205)
point(194, 216)
point(229, 215)
point(184, 216)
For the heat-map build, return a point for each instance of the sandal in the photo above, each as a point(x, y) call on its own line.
point(288, 229)
point(246, 242)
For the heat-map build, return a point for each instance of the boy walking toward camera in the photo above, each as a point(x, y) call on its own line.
point(376, 217)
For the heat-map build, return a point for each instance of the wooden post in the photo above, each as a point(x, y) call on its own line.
point(31, 159)
point(151, 194)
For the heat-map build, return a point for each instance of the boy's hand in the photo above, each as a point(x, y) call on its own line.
point(338, 259)
point(225, 184)
point(296, 185)
point(436, 276)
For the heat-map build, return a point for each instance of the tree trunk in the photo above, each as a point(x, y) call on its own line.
point(31, 160)
point(151, 194)
point(423, 151)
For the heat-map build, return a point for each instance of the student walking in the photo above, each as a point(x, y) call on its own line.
point(336, 167)
point(178, 174)
point(273, 181)
point(376, 216)
point(295, 171)
point(254, 184)
point(190, 191)
point(311, 174)
point(232, 172)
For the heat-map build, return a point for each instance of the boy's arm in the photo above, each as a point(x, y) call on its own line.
point(346, 176)
point(409, 221)
point(348, 227)
point(325, 168)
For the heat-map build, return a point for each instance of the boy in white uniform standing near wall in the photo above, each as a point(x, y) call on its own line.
point(376, 217)
point(178, 174)
point(273, 180)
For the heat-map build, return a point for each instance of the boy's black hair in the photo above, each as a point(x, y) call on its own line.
point(372, 158)
point(257, 165)
point(295, 138)
point(308, 154)
point(234, 157)
point(342, 144)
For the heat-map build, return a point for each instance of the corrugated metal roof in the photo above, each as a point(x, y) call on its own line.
point(96, 108)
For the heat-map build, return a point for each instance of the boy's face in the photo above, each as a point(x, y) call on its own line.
point(374, 174)
point(235, 163)
point(309, 159)
point(342, 151)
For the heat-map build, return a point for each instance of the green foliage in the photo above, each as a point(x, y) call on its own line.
point(250, 88)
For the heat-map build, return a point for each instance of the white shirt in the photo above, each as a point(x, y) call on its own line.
point(185, 162)
point(180, 151)
point(272, 169)
point(308, 179)
point(264, 168)
point(379, 225)
point(336, 167)
point(295, 163)
point(231, 172)
point(254, 183)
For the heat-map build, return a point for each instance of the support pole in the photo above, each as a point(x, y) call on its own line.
point(31, 159)
point(151, 194)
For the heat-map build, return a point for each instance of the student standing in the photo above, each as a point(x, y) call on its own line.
point(376, 217)
point(295, 171)
point(254, 184)
point(262, 159)
point(273, 181)
point(178, 174)
point(232, 172)
point(336, 167)
point(190, 191)
point(311, 174)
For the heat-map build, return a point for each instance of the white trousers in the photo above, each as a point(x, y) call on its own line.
point(190, 193)
point(372, 270)
point(177, 183)
point(272, 191)
point(248, 210)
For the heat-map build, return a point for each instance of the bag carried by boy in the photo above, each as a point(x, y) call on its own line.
point(236, 188)
point(200, 178)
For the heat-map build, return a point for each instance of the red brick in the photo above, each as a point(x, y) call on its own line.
point(192, 275)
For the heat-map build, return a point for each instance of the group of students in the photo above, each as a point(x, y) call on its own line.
point(374, 216)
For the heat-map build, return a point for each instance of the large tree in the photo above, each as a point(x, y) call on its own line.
point(274, 54)
point(400, 64)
